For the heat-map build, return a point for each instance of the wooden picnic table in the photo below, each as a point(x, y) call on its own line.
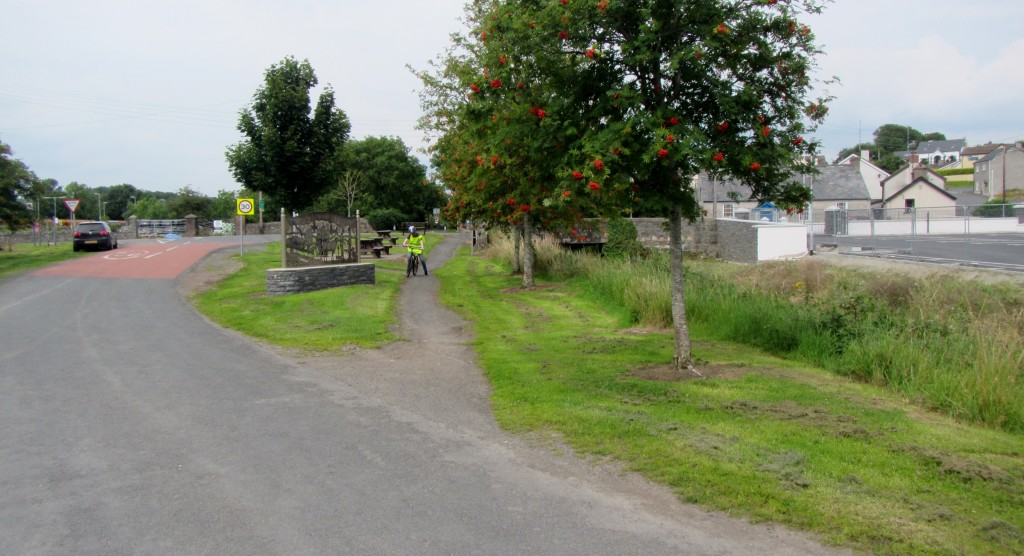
point(386, 235)
point(375, 246)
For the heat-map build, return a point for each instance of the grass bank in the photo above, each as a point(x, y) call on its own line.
point(326, 321)
point(765, 437)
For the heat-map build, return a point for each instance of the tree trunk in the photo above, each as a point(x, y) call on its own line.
point(517, 241)
point(527, 251)
point(683, 358)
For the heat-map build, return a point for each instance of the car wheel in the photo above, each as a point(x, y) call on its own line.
point(75, 248)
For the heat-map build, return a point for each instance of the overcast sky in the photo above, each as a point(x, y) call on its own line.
point(147, 93)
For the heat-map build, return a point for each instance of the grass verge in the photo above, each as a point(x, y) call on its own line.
point(325, 321)
point(763, 437)
point(331, 320)
point(26, 257)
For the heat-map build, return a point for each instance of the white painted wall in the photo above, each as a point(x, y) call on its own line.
point(781, 241)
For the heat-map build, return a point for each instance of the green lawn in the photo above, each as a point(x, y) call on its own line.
point(25, 257)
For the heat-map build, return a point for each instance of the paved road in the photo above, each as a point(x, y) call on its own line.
point(130, 425)
point(995, 251)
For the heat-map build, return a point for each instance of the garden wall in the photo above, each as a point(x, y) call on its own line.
point(283, 281)
point(738, 241)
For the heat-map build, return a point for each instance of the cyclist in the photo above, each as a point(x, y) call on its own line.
point(415, 242)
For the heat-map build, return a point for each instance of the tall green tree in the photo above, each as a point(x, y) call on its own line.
point(392, 178)
point(891, 138)
point(117, 200)
point(650, 93)
point(189, 201)
point(15, 188)
point(152, 208)
point(289, 148)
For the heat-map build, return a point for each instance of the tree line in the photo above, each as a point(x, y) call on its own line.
point(299, 157)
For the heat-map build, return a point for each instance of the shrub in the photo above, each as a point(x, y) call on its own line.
point(622, 242)
point(385, 219)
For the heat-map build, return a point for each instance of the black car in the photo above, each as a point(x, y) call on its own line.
point(96, 235)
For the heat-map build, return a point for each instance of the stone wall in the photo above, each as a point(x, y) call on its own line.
point(283, 281)
point(698, 237)
point(737, 241)
point(270, 228)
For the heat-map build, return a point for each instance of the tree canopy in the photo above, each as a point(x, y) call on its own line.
point(385, 175)
point(888, 140)
point(15, 186)
point(565, 109)
point(289, 148)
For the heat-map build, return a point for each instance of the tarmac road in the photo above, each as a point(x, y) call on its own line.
point(131, 425)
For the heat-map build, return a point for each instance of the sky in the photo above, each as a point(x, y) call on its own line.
point(148, 93)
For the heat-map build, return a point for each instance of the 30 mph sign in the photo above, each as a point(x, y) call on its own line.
point(245, 207)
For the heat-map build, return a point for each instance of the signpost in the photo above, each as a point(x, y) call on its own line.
point(244, 207)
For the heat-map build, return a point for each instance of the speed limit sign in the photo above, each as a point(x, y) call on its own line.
point(245, 207)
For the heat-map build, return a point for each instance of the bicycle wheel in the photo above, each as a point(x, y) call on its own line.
point(410, 265)
point(415, 265)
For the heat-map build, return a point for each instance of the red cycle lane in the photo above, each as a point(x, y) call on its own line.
point(147, 261)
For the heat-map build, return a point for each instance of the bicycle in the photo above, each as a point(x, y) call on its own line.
point(412, 266)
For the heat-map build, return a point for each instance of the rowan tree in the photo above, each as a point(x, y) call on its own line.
point(503, 132)
point(636, 98)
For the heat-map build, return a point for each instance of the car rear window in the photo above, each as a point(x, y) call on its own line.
point(90, 227)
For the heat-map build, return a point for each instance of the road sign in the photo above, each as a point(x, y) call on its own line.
point(72, 204)
point(245, 207)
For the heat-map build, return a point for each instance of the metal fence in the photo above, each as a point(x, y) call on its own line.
point(157, 228)
point(986, 235)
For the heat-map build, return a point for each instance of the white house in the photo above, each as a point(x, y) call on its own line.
point(873, 175)
point(938, 152)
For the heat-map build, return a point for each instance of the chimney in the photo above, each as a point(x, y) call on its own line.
point(865, 154)
point(920, 172)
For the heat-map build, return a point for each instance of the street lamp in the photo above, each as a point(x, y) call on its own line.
point(99, 207)
point(54, 228)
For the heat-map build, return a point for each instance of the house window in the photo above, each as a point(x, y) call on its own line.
point(728, 210)
point(842, 205)
point(908, 204)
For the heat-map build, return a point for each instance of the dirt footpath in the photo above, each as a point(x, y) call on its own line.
point(431, 381)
